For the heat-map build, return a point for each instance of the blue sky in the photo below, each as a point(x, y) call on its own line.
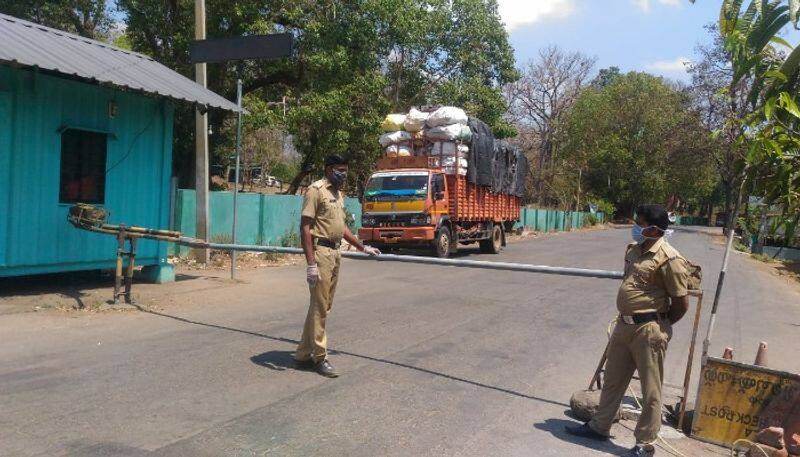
point(644, 35)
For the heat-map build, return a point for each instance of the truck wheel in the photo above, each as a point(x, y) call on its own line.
point(443, 244)
point(494, 244)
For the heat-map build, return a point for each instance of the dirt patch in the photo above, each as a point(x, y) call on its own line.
point(221, 260)
point(92, 291)
point(85, 290)
point(532, 234)
point(790, 271)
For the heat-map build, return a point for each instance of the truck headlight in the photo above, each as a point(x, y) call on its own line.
point(367, 221)
point(420, 220)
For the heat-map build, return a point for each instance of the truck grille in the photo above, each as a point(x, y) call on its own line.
point(394, 220)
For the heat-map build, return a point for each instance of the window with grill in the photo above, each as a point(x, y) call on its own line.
point(83, 166)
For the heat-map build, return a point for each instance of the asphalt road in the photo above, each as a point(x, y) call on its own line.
point(434, 361)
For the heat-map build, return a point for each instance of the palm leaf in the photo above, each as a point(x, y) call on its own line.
point(729, 14)
point(781, 41)
point(794, 7)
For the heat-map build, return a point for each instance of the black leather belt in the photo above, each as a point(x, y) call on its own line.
point(327, 243)
point(642, 318)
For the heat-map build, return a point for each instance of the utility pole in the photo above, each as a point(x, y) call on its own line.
point(201, 141)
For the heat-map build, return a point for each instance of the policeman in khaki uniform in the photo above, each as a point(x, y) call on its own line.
point(322, 228)
point(652, 297)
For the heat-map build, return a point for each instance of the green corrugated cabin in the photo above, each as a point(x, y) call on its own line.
point(82, 121)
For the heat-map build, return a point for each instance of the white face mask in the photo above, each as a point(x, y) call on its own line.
point(637, 233)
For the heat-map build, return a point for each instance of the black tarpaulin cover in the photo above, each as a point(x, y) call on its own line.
point(481, 153)
point(495, 164)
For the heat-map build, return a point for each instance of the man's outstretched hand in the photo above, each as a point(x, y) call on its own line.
point(372, 251)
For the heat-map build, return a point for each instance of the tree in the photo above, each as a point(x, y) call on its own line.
point(354, 63)
point(87, 18)
point(639, 141)
point(766, 130)
point(606, 76)
point(537, 102)
point(771, 129)
point(164, 30)
point(720, 103)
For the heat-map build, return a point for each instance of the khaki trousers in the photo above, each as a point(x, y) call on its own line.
point(314, 342)
point(640, 347)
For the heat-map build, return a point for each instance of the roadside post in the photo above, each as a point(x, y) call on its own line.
point(239, 49)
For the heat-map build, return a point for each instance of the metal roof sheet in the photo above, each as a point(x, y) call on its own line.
point(29, 44)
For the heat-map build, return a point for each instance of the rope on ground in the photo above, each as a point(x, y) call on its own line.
point(750, 444)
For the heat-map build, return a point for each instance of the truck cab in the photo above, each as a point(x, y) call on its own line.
point(404, 208)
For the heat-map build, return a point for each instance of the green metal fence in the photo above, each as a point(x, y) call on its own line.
point(267, 220)
point(274, 220)
point(691, 220)
point(551, 220)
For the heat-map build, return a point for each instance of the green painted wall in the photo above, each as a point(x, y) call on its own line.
point(262, 219)
point(35, 236)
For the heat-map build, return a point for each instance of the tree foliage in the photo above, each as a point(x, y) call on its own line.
point(354, 63)
point(637, 140)
point(720, 103)
point(89, 18)
point(537, 103)
point(768, 131)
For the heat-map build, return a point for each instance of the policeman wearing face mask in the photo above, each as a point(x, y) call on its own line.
point(652, 297)
point(322, 228)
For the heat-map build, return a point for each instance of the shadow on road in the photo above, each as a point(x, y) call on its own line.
point(277, 358)
point(556, 428)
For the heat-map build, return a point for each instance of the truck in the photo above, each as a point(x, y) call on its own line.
point(415, 202)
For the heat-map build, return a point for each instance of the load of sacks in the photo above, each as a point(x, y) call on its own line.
point(463, 145)
point(439, 133)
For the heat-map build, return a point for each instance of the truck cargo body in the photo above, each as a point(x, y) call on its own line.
point(410, 204)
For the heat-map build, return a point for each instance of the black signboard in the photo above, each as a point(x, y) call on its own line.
point(255, 47)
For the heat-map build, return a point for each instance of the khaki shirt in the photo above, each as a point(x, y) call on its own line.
point(651, 277)
point(326, 206)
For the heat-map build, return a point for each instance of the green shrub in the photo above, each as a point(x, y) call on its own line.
point(763, 258)
point(604, 206)
point(590, 220)
point(290, 239)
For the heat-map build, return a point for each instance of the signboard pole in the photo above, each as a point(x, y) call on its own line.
point(721, 281)
point(238, 156)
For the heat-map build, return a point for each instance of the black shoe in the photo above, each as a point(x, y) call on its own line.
point(642, 450)
point(326, 369)
point(304, 364)
point(584, 431)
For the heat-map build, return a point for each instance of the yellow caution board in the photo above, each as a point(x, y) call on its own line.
point(736, 400)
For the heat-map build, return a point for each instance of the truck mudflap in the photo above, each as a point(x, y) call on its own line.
point(401, 236)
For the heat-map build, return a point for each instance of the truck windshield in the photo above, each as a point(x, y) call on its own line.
point(397, 187)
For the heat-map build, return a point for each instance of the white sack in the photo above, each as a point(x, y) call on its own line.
point(394, 137)
point(447, 115)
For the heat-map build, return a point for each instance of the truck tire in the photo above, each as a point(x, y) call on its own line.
point(494, 244)
point(443, 243)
